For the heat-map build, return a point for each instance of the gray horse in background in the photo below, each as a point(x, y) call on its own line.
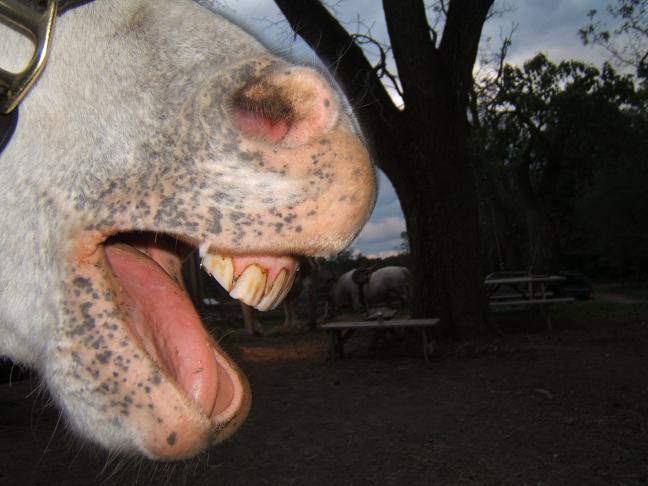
point(363, 288)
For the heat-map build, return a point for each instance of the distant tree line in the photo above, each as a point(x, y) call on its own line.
point(560, 157)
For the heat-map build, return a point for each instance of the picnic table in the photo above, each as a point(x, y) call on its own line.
point(340, 332)
point(524, 291)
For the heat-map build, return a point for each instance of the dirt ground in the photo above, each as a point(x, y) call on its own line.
point(568, 407)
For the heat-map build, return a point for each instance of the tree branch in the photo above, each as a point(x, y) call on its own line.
point(381, 69)
point(460, 41)
point(324, 34)
point(414, 50)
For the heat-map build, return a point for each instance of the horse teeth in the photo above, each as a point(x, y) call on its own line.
point(273, 297)
point(221, 268)
point(250, 285)
point(286, 288)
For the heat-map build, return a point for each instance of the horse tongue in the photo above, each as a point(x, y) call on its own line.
point(161, 314)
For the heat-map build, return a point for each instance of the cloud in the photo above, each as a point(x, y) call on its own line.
point(381, 248)
point(387, 203)
point(550, 26)
point(381, 231)
point(382, 254)
point(381, 236)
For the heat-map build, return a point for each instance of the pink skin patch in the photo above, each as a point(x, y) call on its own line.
point(289, 107)
point(255, 125)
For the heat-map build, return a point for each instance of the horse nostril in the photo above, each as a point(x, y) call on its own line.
point(262, 113)
point(288, 107)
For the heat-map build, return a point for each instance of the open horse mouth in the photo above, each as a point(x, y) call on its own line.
point(253, 176)
point(136, 288)
point(148, 272)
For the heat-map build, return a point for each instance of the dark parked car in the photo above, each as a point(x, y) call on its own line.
point(575, 285)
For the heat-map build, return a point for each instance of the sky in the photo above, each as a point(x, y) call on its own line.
point(550, 26)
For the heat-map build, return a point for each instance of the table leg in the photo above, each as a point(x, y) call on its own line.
point(547, 316)
point(424, 340)
point(342, 339)
point(333, 344)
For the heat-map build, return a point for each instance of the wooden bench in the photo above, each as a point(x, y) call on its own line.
point(545, 303)
point(340, 332)
point(524, 289)
point(553, 300)
point(496, 297)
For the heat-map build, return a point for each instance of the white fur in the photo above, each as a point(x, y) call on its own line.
point(122, 116)
point(383, 283)
point(45, 154)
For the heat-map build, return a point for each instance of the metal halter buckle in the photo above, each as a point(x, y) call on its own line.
point(37, 24)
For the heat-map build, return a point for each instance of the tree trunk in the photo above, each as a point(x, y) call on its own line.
point(439, 197)
point(503, 224)
point(422, 148)
point(439, 202)
point(543, 240)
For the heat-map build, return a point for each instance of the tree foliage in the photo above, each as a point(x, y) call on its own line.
point(627, 41)
point(564, 145)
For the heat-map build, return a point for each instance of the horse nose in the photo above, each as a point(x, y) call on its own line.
point(288, 107)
